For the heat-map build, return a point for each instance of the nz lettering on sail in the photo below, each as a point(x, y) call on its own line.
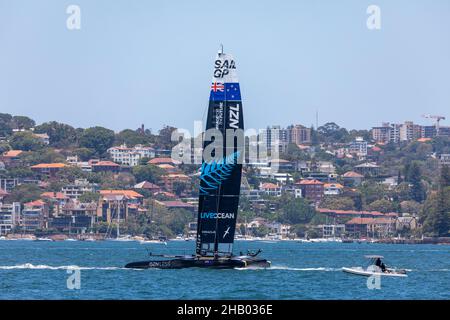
point(216, 215)
point(234, 116)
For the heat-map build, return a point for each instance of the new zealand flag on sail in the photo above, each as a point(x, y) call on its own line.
point(225, 91)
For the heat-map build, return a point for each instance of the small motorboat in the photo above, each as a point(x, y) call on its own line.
point(374, 269)
point(43, 239)
point(153, 241)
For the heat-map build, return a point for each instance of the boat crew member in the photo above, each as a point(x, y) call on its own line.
point(380, 265)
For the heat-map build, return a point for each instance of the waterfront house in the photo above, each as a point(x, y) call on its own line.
point(370, 227)
point(9, 217)
point(34, 216)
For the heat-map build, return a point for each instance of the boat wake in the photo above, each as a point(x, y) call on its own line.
point(47, 267)
point(295, 269)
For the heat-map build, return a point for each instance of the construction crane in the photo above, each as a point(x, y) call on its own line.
point(437, 118)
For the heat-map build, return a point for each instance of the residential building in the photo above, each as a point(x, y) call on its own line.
point(105, 166)
point(43, 137)
point(130, 156)
point(78, 188)
point(11, 158)
point(48, 169)
point(311, 189)
point(145, 185)
point(9, 217)
point(370, 227)
point(8, 184)
point(164, 160)
point(270, 189)
point(382, 134)
point(34, 216)
point(172, 178)
point(352, 178)
point(410, 131)
point(275, 136)
point(333, 189)
point(118, 204)
point(57, 201)
point(444, 160)
point(358, 147)
point(299, 134)
point(368, 168)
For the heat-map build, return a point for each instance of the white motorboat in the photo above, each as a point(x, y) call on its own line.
point(374, 270)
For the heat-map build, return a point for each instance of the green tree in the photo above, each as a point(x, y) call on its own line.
point(22, 122)
point(24, 193)
point(415, 179)
point(296, 210)
point(60, 134)
point(131, 138)
point(83, 154)
point(5, 124)
point(150, 173)
point(89, 197)
point(382, 205)
point(25, 141)
point(98, 138)
point(337, 203)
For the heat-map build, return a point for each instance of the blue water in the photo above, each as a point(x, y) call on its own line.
point(38, 270)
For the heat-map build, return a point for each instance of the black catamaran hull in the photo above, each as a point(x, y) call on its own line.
point(181, 263)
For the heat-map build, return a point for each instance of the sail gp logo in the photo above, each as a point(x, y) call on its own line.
point(216, 215)
point(222, 68)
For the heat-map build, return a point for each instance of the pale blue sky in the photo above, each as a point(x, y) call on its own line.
point(151, 62)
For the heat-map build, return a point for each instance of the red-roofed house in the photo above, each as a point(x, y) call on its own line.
point(352, 178)
point(34, 216)
point(270, 189)
point(48, 169)
point(105, 166)
point(370, 227)
point(11, 158)
point(311, 189)
point(145, 185)
point(158, 161)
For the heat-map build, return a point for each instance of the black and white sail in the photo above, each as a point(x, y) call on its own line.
point(223, 150)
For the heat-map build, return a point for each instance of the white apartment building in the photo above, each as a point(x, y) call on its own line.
point(78, 188)
point(130, 156)
point(358, 147)
point(9, 217)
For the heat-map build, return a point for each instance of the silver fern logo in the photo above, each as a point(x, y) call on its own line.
point(214, 173)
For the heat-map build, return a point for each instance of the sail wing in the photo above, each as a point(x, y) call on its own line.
point(221, 170)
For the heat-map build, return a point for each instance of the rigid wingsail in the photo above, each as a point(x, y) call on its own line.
point(220, 180)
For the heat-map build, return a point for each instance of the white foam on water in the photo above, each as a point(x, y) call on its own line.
point(47, 267)
point(295, 269)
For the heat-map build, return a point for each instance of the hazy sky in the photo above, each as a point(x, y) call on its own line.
point(151, 62)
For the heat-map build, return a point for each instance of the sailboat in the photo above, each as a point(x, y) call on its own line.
point(220, 181)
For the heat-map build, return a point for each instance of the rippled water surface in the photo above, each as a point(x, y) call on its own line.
point(39, 270)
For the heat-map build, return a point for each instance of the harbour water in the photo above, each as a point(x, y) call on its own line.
point(39, 270)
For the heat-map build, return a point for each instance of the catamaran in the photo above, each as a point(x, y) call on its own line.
point(220, 181)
